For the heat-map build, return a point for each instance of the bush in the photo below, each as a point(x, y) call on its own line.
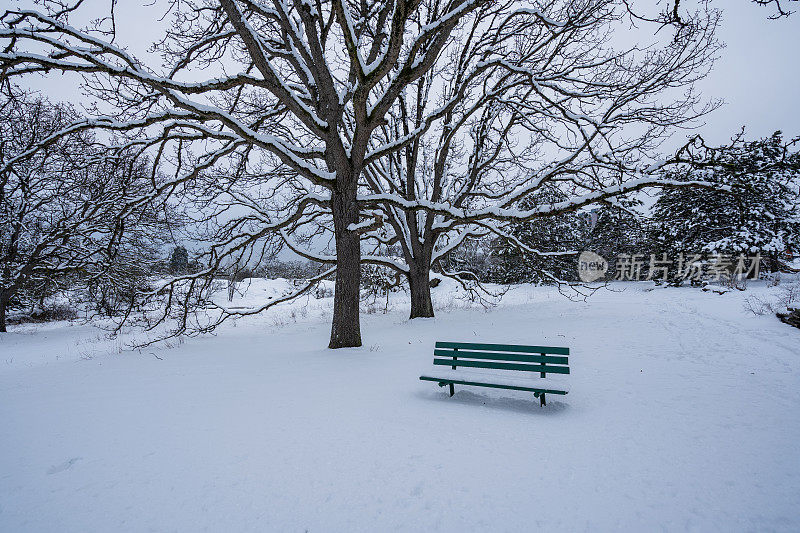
point(51, 313)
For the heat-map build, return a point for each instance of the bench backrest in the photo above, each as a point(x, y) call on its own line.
point(543, 359)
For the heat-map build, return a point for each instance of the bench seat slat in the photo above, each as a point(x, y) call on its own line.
point(550, 369)
point(504, 348)
point(496, 356)
point(499, 384)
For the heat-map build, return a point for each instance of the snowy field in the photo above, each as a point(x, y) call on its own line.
point(684, 414)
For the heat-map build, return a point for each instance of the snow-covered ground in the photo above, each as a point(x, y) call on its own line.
point(683, 414)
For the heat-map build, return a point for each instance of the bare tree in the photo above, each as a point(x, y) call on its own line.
point(342, 103)
point(311, 83)
point(780, 8)
point(779, 5)
point(546, 101)
point(66, 202)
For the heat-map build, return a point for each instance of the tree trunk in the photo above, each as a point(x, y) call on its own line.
point(420, 285)
point(3, 303)
point(346, 328)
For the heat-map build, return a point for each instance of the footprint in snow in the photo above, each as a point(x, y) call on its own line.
point(66, 465)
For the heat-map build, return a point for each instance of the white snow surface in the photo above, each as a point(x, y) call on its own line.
point(682, 415)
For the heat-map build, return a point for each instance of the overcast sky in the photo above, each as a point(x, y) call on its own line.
point(757, 74)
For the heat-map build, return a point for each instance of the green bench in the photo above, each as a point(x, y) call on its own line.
point(541, 360)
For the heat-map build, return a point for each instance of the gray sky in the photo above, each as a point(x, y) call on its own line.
point(757, 74)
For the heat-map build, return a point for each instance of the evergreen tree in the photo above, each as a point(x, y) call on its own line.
point(179, 261)
point(758, 214)
point(606, 230)
point(561, 233)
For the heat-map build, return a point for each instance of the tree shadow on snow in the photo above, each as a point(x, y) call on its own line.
point(529, 406)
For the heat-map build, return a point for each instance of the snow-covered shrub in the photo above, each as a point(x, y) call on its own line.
point(113, 295)
point(378, 280)
point(782, 301)
point(285, 317)
point(56, 306)
point(789, 300)
point(758, 305)
point(323, 289)
point(789, 296)
point(376, 306)
point(58, 311)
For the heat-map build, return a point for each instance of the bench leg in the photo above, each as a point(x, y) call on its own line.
point(452, 390)
point(542, 401)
